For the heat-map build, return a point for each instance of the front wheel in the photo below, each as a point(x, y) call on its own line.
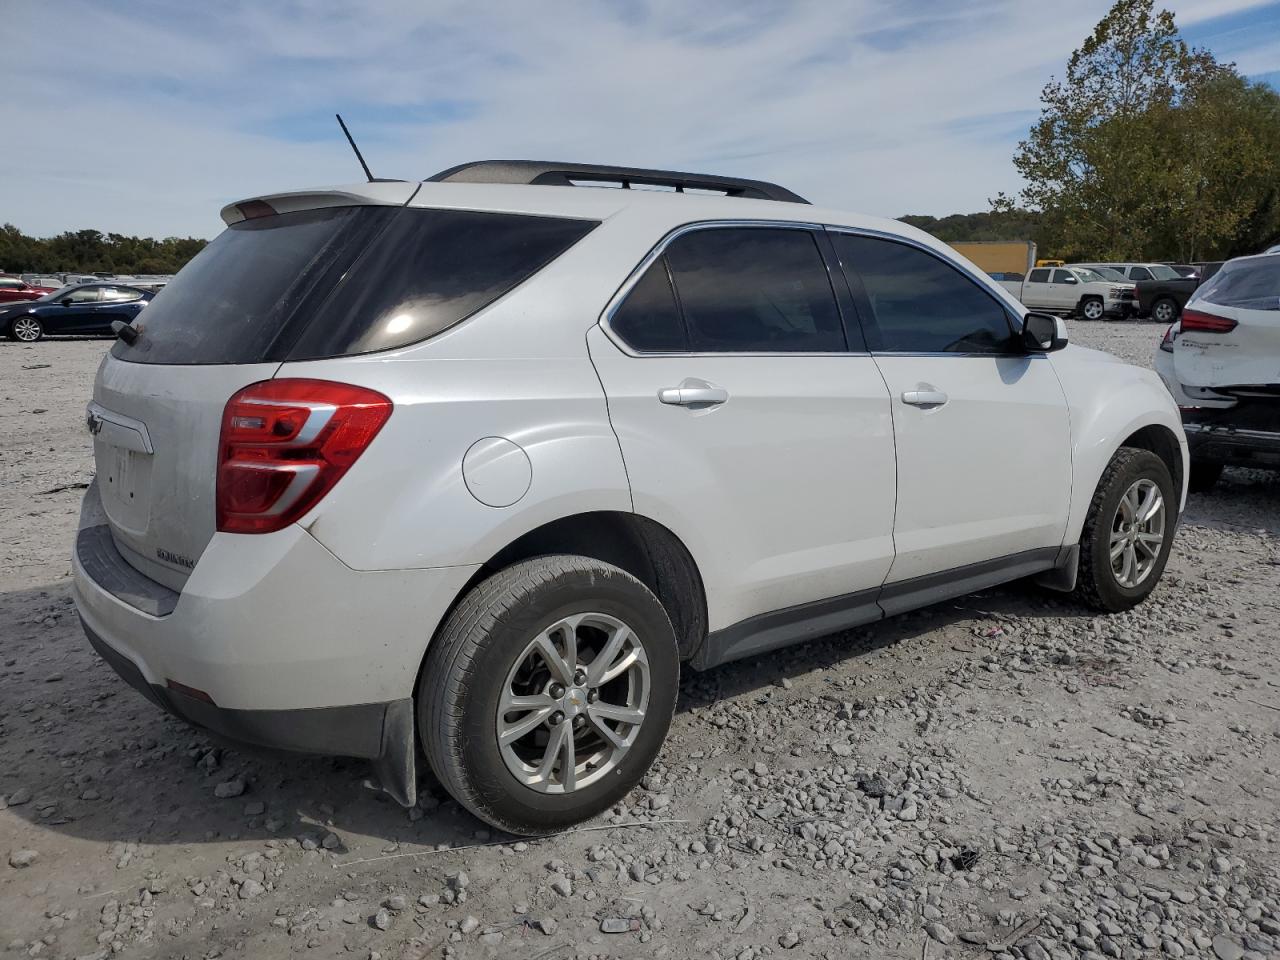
point(548, 693)
point(26, 329)
point(1128, 532)
point(1091, 308)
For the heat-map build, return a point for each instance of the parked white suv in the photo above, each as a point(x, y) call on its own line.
point(1221, 362)
point(477, 463)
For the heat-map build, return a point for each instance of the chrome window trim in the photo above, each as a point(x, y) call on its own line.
point(660, 248)
point(634, 277)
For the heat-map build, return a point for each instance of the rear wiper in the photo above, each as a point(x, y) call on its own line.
point(124, 330)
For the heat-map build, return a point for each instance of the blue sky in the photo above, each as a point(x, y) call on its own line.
point(146, 117)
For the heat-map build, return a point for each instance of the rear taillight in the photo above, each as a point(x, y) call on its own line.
point(1166, 343)
point(285, 443)
point(1201, 322)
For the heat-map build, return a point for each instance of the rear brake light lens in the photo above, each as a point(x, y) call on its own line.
point(1201, 322)
point(1166, 342)
point(285, 443)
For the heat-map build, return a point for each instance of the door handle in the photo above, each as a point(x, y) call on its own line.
point(693, 393)
point(924, 398)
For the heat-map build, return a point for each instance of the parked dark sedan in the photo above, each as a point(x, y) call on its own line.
point(84, 308)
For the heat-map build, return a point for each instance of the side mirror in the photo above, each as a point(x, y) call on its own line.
point(1043, 332)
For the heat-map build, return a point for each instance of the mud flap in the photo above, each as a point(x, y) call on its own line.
point(395, 766)
point(1065, 570)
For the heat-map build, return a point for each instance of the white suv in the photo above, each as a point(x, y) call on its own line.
point(477, 463)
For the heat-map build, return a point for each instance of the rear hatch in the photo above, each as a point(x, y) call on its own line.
point(296, 277)
point(1230, 328)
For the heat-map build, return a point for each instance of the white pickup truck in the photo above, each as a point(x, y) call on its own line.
point(1077, 290)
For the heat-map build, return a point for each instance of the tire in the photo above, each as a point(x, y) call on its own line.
point(25, 329)
point(482, 653)
point(1203, 475)
point(1099, 584)
point(1092, 308)
point(1165, 310)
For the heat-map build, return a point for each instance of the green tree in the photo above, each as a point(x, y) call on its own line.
point(1148, 148)
point(89, 251)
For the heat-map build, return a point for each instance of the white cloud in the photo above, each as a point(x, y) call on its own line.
point(173, 110)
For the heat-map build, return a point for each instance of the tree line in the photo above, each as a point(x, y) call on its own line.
point(1148, 149)
point(91, 251)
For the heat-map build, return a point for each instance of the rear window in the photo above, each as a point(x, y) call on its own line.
point(1251, 284)
point(340, 281)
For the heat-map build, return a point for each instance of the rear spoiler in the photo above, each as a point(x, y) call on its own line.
point(381, 193)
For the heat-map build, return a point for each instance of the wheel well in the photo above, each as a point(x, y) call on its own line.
point(644, 548)
point(1162, 442)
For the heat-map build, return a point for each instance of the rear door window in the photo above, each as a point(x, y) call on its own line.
point(755, 290)
point(341, 280)
point(1038, 276)
point(648, 320)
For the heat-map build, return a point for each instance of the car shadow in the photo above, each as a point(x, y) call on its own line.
point(101, 762)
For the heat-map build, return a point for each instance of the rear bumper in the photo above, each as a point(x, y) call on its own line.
point(1223, 442)
point(293, 649)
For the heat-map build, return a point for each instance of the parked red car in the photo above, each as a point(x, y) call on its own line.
point(13, 290)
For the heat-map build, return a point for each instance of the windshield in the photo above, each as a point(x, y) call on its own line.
point(1089, 275)
point(1253, 284)
point(1162, 272)
point(1112, 275)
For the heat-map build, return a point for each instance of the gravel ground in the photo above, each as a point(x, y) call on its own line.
point(1003, 775)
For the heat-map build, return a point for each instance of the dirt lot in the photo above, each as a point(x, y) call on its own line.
point(1004, 773)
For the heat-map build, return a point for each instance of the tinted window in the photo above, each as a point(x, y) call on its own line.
point(236, 297)
point(1139, 273)
point(340, 280)
point(1252, 284)
point(1063, 276)
point(920, 303)
point(81, 295)
point(1038, 276)
point(755, 289)
point(648, 319)
point(428, 270)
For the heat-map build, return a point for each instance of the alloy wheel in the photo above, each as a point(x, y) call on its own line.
point(1092, 310)
point(1163, 311)
point(26, 329)
point(573, 703)
point(1137, 533)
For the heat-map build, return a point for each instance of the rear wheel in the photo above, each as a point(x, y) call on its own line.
point(1091, 308)
point(1128, 531)
point(26, 329)
point(548, 693)
point(1164, 310)
point(1204, 474)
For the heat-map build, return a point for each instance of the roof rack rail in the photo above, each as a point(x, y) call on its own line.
point(549, 173)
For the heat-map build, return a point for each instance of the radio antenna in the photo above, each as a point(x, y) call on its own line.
point(351, 140)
